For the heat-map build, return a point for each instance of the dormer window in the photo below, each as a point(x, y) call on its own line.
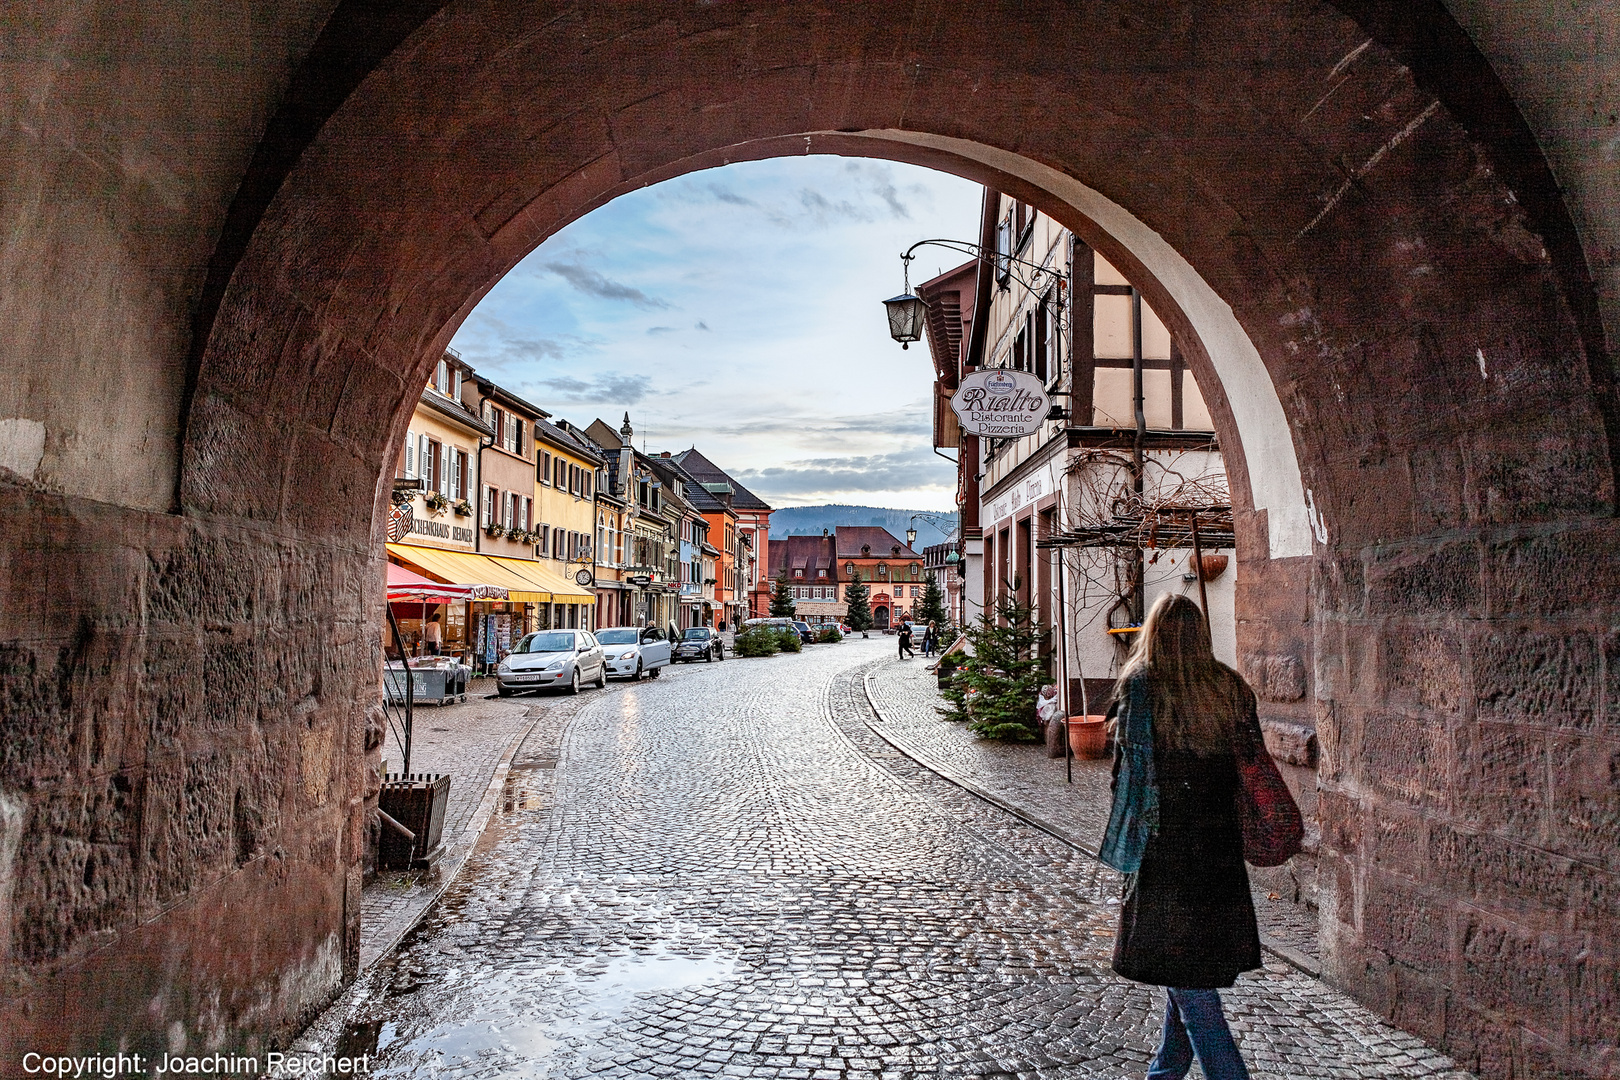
point(866, 549)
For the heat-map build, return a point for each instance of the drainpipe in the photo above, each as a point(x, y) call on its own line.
point(1139, 599)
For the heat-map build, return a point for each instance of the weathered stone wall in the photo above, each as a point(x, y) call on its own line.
point(183, 770)
point(187, 691)
point(1471, 786)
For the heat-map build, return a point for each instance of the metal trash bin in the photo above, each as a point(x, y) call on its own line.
point(417, 802)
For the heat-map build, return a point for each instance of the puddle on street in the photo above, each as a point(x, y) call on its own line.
point(523, 1023)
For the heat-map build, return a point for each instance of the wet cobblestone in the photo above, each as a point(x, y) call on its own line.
point(726, 872)
point(1021, 775)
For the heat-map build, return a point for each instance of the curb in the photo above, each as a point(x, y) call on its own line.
point(1286, 953)
point(456, 856)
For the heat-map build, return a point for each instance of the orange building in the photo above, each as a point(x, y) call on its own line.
point(890, 570)
point(746, 585)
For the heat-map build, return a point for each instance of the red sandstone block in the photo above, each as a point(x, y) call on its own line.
point(1420, 579)
point(1531, 884)
point(1407, 923)
point(1401, 758)
point(1400, 845)
point(1423, 672)
point(1584, 818)
point(1421, 1002)
point(1500, 778)
point(1516, 971)
point(1532, 575)
point(1537, 677)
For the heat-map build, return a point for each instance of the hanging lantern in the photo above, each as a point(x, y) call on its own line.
point(906, 313)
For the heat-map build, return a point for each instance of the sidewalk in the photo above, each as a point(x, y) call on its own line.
point(474, 743)
point(1020, 778)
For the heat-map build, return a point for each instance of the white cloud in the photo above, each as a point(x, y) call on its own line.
point(782, 359)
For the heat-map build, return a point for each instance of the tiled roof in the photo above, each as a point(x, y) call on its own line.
point(708, 472)
point(851, 538)
point(802, 552)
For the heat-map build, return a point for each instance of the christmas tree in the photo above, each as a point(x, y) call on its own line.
point(857, 598)
point(781, 599)
point(932, 609)
point(995, 690)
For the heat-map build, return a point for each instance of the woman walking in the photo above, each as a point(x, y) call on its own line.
point(930, 639)
point(1187, 921)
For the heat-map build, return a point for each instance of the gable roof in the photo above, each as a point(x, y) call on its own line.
point(700, 497)
point(882, 542)
point(807, 553)
point(707, 472)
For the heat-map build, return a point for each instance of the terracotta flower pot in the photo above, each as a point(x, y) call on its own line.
point(1088, 736)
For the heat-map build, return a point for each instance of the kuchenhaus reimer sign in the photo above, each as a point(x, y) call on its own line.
point(1000, 403)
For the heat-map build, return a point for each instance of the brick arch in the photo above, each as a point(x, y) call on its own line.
point(1401, 277)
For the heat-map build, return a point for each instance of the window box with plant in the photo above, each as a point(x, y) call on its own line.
point(463, 508)
point(437, 501)
point(494, 530)
point(516, 534)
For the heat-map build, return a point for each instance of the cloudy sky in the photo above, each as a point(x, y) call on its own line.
point(739, 310)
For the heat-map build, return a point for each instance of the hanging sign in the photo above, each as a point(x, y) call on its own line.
point(1000, 403)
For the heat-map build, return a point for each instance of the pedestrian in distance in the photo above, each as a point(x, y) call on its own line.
point(433, 636)
point(1187, 920)
point(930, 639)
point(905, 642)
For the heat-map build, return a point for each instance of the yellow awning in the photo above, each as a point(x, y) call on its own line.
point(459, 567)
point(563, 590)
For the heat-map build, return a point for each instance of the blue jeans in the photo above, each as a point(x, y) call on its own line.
point(1193, 1022)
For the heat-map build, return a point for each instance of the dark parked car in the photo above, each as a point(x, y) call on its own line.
point(804, 630)
point(700, 643)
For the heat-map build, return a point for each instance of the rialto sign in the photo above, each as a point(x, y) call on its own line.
point(1000, 403)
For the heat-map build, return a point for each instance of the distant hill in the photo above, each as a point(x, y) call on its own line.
point(810, 520)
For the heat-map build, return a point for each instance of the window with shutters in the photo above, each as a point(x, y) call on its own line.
point(559, 537)
point(509, 432)
point(545, 537)
point(545, 468)
point(441, 377)
point(589, 481)
point(455, 385)
point(430, 464)
point(463, 475)
point(488, 514)
point(559, 474)
point(526, 518)
point(410, 455)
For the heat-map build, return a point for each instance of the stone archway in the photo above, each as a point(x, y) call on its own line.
point(1394, 261)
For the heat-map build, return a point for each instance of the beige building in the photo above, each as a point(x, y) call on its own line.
point(1057, 310)
point(568, 471)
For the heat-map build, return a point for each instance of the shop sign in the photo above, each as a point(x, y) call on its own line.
point(1000, 403)
point(441, 530)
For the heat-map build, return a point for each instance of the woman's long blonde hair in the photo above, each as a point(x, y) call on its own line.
point(1194, 697)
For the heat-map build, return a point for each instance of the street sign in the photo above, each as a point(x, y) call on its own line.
point(1000, 403)
point(640, 579)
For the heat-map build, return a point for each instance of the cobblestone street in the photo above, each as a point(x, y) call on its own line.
point(727, 871)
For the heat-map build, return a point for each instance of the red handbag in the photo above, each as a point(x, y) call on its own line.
point(1273, 831)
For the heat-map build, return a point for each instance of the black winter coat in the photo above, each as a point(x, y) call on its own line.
point(1188, 918)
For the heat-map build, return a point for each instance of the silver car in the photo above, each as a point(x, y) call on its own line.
point(634, 651)
point(561, 658)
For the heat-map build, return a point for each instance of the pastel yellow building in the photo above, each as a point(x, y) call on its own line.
point(567, 473)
